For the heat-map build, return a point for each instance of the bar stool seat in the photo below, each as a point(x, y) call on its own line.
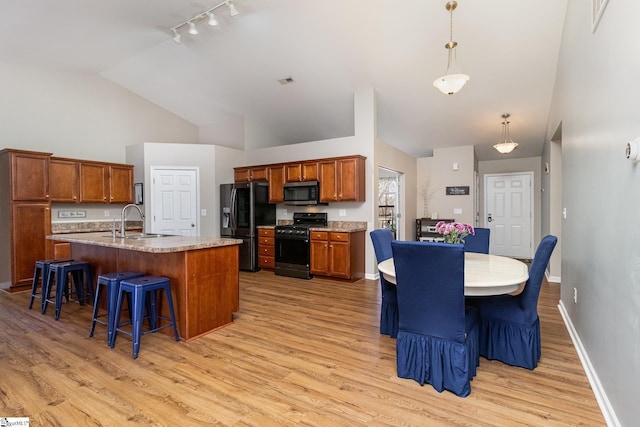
point(112, 283)
point(41, 271)
point(80, 272)
point(140, 289)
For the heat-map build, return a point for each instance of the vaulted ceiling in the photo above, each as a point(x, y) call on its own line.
point(329, 48)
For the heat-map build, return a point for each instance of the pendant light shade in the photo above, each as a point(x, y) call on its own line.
point(453, 80)
point(506, 144)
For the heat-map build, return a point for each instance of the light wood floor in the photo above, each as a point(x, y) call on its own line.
point(299, 352)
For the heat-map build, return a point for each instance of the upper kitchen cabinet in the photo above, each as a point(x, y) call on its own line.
point(342, 179)
point(63, 180)
point(249, 174)
point(276, 183)
point(28, 175)
point(105, 183)
point(304, 171)
point(120, 184)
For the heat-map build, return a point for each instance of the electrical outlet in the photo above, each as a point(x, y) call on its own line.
point(203, 212)
point(575, 295)
point(106, 212)
point(342, 212)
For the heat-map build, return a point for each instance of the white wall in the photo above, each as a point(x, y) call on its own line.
point(596, 100)
point(438, 172)
point(82, 116)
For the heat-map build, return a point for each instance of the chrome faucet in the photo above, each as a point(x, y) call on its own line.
point(123, 218)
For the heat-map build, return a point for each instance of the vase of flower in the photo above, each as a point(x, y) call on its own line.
point(454, 232)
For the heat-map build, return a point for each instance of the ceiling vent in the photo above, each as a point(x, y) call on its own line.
point(286, 80)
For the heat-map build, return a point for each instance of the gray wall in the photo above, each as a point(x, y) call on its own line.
point(597, 100)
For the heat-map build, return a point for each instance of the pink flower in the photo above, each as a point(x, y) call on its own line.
point(454, 232)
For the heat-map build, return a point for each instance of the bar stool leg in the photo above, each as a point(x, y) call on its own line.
point(167, 291)
point(34, 284)
point(139, 295)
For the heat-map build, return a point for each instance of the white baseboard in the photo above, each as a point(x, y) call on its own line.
point(553, 279)
point(603, 401)
point(370, 276)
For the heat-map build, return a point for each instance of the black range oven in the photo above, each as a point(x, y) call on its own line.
point(293, 246)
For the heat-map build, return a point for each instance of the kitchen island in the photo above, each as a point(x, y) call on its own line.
point(203, 272)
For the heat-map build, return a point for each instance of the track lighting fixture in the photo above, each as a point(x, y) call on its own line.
point(176, 37)
point(232, 9)
point(207, 14)
point(212, 19)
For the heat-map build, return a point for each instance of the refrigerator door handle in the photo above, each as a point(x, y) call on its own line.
point(233, 210)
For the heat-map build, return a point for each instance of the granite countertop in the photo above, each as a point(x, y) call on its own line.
point(340, 226)
point(153, 244)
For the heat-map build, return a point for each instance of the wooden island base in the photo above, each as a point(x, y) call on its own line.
point(204, 282)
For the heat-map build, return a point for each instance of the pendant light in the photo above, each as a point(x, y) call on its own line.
point(506, 144)
point(451, 82)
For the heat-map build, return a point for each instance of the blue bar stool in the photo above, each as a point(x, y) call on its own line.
point(80, 272)
point(112, 282)
point(41, 271)
point(140, 289)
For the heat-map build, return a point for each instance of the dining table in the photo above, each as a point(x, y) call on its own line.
point(484, 274)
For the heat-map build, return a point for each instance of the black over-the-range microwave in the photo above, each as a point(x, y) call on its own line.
point(302, 193)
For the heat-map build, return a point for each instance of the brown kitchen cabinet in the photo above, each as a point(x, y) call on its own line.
point(28, 175)
point(304, 171)
point(64, 180)
point(30, 224)
point(61, 250)
point(342, 179)
point(105, 183)
point(249, 174)
point(276, 184)
point(25, 215)
point(266, 248)
point(337, 254)
point(120, 183)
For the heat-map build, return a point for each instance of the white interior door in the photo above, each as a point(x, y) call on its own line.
point(508, 202)
point(174, 201)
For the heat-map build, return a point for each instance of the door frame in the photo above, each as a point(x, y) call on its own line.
point(152, 170)
point(531, 203)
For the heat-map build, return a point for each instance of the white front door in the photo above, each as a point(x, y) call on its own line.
point(174, 201)
point(508, 202)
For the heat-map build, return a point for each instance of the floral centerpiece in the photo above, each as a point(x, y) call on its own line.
point(454, 232)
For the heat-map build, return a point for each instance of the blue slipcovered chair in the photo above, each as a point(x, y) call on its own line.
point(478, 242)
point(438, 336)
point(389, 308)
point(509, 324)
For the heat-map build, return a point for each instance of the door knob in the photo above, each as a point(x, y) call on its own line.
point(193, 225)
point(489, 219)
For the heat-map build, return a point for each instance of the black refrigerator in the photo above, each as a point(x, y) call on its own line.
point(244, 206)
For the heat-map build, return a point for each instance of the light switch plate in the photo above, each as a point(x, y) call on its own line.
point(342, 212)
point(457, 211)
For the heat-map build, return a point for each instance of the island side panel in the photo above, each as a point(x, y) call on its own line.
point(170, 265)
point(213, 288)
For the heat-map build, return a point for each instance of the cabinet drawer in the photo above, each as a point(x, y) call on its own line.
point(266, 261)
point(267, 241)
point(319, 235)
point(266, 250)
point(339, 237)
point(266, 232)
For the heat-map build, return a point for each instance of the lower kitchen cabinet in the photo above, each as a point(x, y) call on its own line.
point(30, 224)
point(266, 248)
point(337, 254)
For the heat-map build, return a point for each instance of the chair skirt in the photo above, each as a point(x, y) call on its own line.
point(389, 311)
point(446, 365)
point(511, 343)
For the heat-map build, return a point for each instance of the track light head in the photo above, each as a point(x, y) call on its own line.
point(192, 28)
point(212, 19)
point(232, 9)
point(176, 37)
